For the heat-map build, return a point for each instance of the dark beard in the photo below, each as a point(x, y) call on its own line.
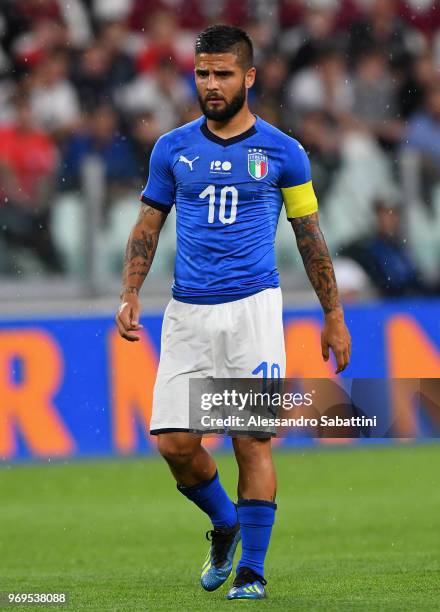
point(230, 109)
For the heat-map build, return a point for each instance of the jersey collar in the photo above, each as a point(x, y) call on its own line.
point(225, 142)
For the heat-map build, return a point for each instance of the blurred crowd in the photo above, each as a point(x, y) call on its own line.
point(107, 77)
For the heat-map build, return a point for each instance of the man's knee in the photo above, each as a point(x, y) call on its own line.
point(178, 448)
point(249, 450)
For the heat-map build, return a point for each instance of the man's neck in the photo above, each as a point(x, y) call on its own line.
point(239, 123)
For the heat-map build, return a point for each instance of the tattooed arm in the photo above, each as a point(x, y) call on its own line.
point(316, 259)
point(141, 247)
point(139, 254)
point(319, 268)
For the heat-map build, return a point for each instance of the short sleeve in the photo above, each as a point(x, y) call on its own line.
point(159, 192)
point(296, 182)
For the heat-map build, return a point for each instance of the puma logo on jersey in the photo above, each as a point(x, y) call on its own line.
point(190, 162)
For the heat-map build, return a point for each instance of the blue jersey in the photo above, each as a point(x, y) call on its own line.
point(228, 195)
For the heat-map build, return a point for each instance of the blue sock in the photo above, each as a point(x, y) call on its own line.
point(256, 519)
point(211, 497)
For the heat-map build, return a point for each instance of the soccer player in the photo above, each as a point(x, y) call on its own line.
point(228, 174)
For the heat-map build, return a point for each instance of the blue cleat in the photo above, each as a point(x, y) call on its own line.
point(247, 585)
point(218, 562)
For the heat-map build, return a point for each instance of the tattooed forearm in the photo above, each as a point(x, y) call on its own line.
point(317, 261)
point(141, 247)
point(139, 257)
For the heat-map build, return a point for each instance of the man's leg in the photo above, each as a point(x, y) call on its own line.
point(196, 474)
point(256, 471)
point(256, 513)
point(189, 462)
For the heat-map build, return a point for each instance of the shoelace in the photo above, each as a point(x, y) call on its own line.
point(245, 576)
point(221, 541)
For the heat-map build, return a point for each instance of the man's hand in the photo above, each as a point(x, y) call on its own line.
point(127, 317)
point(336, 336)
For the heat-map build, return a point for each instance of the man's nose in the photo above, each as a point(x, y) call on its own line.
point(212, 82)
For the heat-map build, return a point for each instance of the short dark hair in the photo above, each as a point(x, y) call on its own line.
point(225, 38)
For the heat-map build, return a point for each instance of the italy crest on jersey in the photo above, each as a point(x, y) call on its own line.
point(258, 164)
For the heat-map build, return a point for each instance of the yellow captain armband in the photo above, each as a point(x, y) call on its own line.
point(299, 200)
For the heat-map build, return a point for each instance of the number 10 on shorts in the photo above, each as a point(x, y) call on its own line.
point(263, 367)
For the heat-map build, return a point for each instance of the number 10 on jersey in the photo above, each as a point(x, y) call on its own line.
point(224, 193)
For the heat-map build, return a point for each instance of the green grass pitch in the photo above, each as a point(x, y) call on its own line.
point(357, 529)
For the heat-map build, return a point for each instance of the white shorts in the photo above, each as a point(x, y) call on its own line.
point(217, 340)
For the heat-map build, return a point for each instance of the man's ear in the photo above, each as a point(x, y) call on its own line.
point(249, 79)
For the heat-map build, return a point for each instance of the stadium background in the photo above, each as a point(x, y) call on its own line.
point(86, 87)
